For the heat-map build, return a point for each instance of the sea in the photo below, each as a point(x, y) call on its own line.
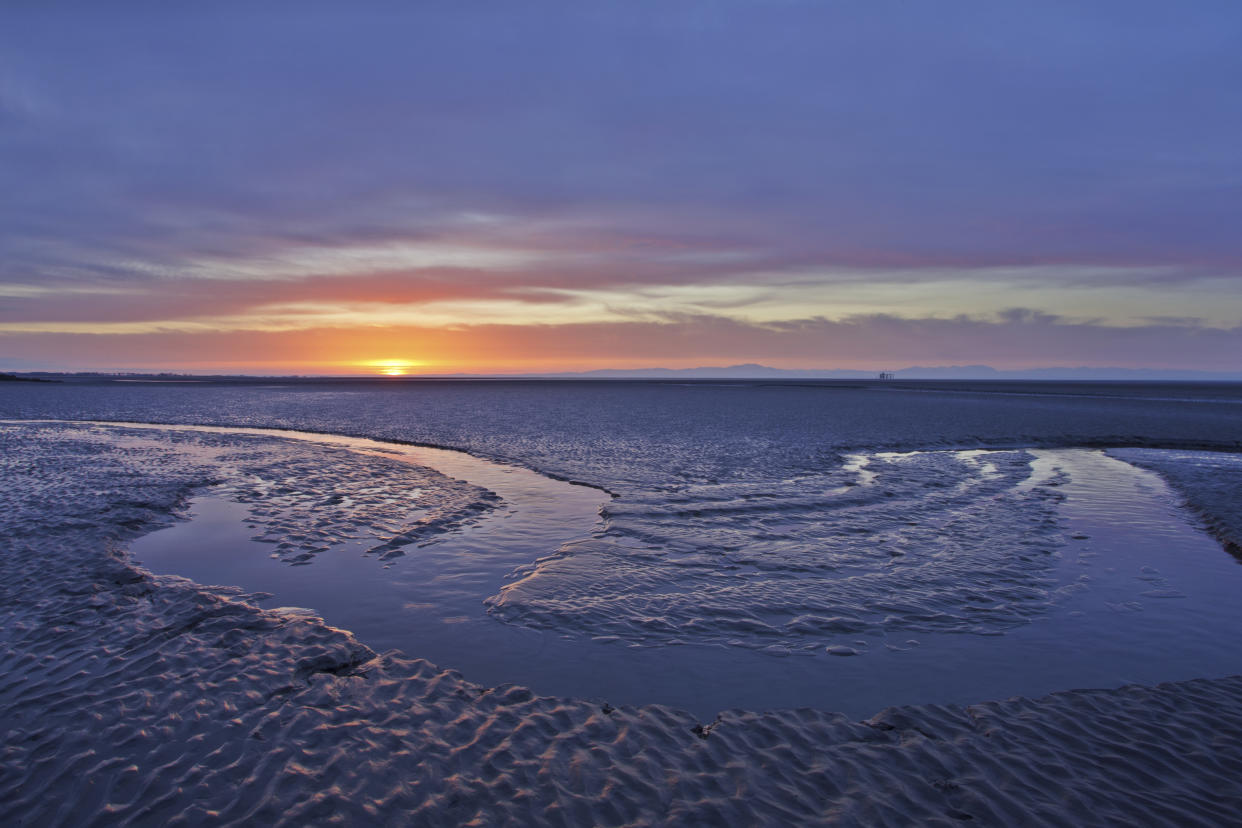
point(840, 545)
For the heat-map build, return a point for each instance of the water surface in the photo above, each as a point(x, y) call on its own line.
point(1132, 591)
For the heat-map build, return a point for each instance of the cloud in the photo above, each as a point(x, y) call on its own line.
point(305, 166)
point(679, 340)
point(922, 133)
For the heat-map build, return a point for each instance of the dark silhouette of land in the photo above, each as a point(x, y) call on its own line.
point(15, 378)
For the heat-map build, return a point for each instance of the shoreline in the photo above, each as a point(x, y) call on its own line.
point(981, 443)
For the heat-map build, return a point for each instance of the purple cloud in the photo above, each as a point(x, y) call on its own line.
point(643, 144)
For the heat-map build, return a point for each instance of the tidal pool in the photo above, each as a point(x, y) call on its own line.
point(1134, 591)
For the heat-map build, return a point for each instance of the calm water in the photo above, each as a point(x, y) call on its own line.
point(769, 545)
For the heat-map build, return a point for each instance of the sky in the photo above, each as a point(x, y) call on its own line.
point(511, 187)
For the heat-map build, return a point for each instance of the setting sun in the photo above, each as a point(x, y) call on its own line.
point(392, 367)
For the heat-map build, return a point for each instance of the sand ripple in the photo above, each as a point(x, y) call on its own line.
point(148, 701)
point(915, 542)
point(1208, 481)
point(127, 698)
point(302, 497)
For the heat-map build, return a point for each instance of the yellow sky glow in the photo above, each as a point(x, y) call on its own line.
point(391, 367)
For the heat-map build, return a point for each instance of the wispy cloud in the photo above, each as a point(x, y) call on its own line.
point(553, 167)
point(1014, 340)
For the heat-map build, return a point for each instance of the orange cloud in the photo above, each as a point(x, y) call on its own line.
point(1014, 340)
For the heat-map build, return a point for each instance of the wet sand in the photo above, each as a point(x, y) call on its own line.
point(140, 699)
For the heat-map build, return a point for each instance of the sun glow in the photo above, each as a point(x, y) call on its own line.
point(392, 367)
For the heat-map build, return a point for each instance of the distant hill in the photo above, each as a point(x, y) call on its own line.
point(955, 372)
point(15, 378)
point(749, 370)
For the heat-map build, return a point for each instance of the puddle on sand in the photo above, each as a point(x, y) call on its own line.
point(427, 602)
point(1144, 596)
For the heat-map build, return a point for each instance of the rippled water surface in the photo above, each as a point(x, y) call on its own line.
point(763, 545)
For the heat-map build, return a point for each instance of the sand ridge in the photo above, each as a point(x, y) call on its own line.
point(128, 698)
point(1208, 482)
point(912, 543)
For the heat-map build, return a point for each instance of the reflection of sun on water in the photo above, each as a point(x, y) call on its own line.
point(392, 367)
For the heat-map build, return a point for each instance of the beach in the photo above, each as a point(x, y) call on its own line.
point(620, 414)
point(135, 698)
